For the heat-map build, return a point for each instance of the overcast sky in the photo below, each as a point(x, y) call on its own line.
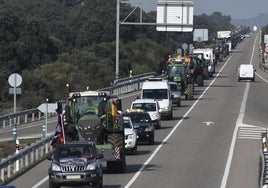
point(237, 9)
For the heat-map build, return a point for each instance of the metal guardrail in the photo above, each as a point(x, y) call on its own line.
point(37, 152)
point(25, 116)
point(120, 86)
point(264, 162)
point(26, 158)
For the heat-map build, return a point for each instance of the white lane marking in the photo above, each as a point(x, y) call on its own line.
point(239, 122)
point(133, 179)
point(251, 132)
point(208, 123)
point(261, 78)
point(40, 182)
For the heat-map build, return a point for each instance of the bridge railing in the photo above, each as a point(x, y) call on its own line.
point(23, 160)
point(33, 154)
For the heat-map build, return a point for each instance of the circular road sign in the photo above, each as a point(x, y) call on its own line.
point(266, 49)
point(184, 46)
point(14, 80)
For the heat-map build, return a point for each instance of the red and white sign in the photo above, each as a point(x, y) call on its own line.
point(266, 49)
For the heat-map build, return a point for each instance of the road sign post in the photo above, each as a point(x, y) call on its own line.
point(46, 108)
point(14, 132)
point(17, 167)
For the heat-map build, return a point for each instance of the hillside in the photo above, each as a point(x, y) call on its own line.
point(260, 20)
point(51, 43)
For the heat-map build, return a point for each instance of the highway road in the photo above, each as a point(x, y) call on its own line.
point(212, 141)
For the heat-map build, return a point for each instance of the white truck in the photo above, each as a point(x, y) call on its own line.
point(227, 36)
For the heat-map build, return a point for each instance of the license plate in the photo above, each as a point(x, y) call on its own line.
point(72, 177)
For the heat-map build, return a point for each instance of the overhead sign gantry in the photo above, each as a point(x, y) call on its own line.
point(172, 15)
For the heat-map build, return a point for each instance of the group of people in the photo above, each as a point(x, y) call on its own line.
point(171, 59)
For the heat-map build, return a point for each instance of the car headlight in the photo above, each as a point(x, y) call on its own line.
point(55, 167)
point(130, 136)
point(91, 166)
point(165, 108)
point(154, 116)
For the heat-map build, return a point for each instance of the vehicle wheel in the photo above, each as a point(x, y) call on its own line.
point(190, 90)
point(151, 142)
point(98, 185)
point(134, 151)
point(170, 117)
point(205, 73)
point(158, 126)
point(51, 185)
point(210, 75)
point(221, 58)
point(117, 140)
point(179, 103)
point(199, 80)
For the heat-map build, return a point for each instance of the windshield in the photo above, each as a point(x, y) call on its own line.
point(87, 103)
point(145, 106)
point(176, 71)
point(174, 87)
point(139, 117)
point(155, 94)
point(74, 152)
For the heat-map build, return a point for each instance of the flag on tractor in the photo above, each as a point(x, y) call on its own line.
point(114, 110)
point(59, 137)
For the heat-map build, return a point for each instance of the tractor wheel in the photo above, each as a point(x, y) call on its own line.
point(117, 140)
point(190, 91)
point(205, 73)
point(199, 80)
point(221, 58)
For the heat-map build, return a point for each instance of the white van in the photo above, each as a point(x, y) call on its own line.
point(246, 72)
point(158, 89)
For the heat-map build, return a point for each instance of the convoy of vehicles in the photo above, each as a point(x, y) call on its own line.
point(76, 163)
point(95, 131)
point(151, 106)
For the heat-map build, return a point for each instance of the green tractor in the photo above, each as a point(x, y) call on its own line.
point(92, 116)
point(178, 72)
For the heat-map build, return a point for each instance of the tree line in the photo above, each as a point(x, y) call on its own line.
point(54, 42)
